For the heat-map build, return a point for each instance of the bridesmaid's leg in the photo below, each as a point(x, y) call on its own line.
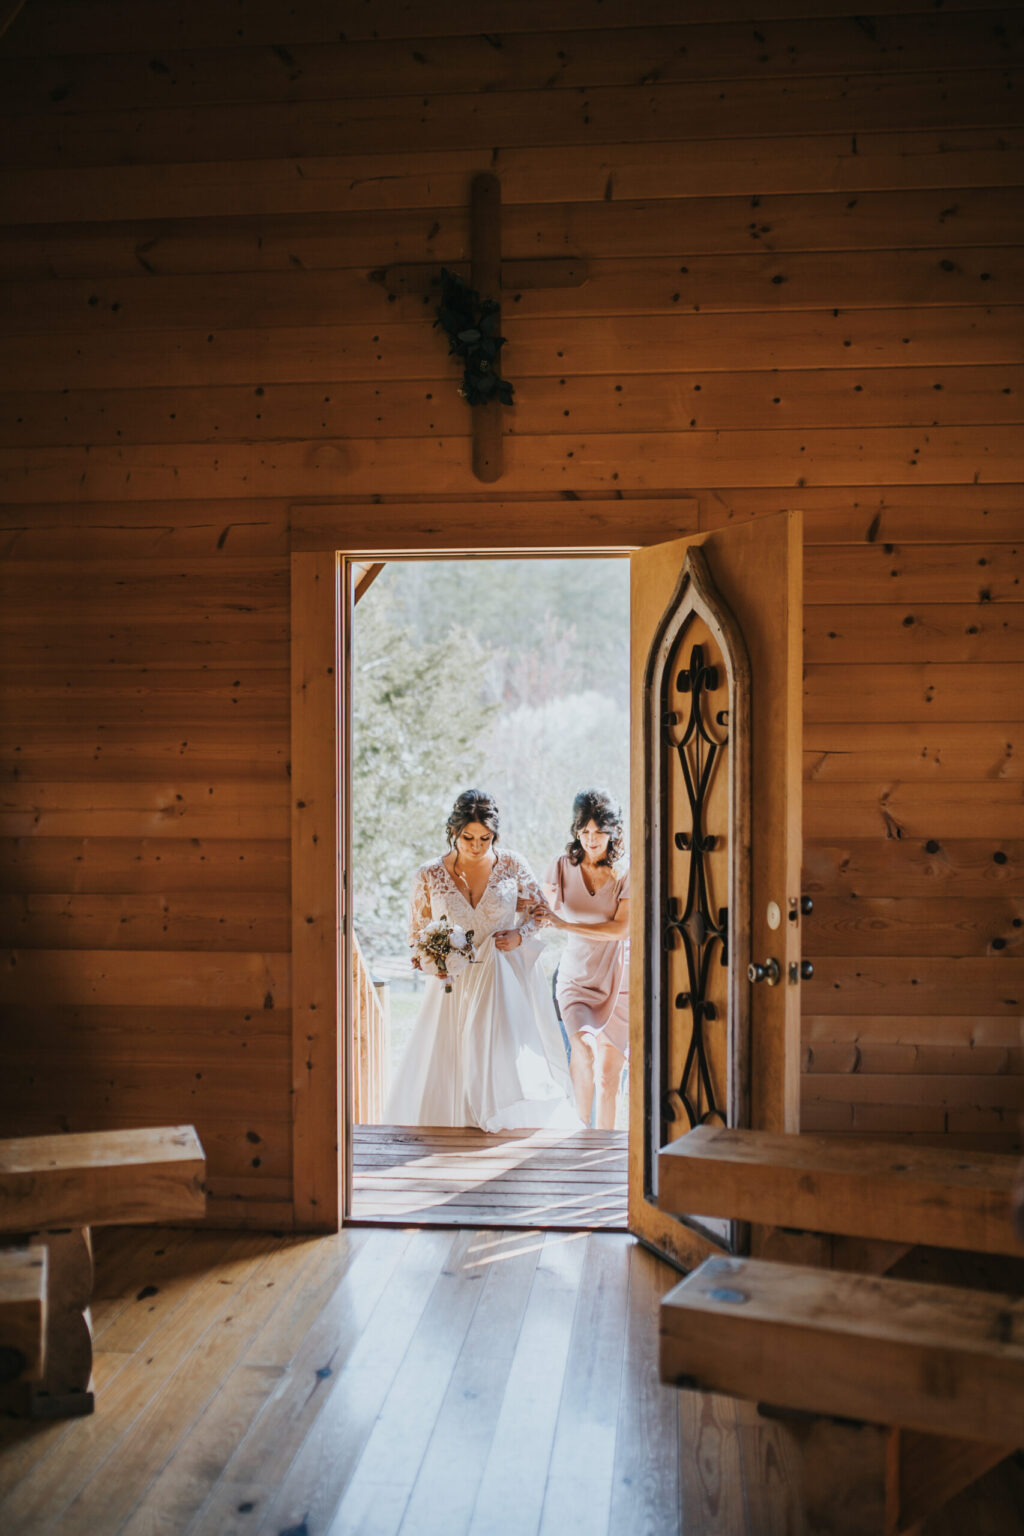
point(608, 1074)
point(581, 1068)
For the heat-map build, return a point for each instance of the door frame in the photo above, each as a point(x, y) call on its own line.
point(323, 537)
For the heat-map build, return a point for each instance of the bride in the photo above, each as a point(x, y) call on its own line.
point(489, 1052)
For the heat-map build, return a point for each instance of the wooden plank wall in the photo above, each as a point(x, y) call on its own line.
point(219, 225)
point(913, 822)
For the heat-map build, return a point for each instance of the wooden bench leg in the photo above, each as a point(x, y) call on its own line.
point(64, 1391)
point(64, 1388)
point(855, 1479)
point(923, 1472)
point(22, 1314)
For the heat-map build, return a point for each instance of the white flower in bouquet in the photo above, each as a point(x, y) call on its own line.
point(444, 949)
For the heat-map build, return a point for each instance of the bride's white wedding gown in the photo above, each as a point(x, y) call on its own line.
point(488, 1053)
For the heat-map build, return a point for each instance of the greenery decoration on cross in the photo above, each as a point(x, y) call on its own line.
point(471, 326)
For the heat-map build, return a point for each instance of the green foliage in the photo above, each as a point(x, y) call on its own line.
point(418, 717)
point(471, 325)
point(551, 628)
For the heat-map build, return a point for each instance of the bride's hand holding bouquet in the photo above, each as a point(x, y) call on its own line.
point(443, 949)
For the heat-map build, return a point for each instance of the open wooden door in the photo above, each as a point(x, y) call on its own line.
point(716, 852)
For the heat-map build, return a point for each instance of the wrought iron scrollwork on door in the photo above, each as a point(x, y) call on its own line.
point(697, 744)
point(700, 931)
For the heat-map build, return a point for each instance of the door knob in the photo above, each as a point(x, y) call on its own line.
point(768, 972)
point(806, 905)
point(800, 972)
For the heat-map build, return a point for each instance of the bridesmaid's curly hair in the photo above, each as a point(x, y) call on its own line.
point(596, 805)
point(472, 805)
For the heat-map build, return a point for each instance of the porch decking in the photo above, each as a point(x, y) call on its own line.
point(458, 1176)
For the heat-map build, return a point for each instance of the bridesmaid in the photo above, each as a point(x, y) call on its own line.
point(587, 893)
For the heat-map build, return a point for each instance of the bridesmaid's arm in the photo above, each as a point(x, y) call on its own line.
point(612, 931)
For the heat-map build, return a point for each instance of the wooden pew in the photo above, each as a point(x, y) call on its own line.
point(862, 1189)
point(53, 1190)
point(22, 1313)
point(932, 1378)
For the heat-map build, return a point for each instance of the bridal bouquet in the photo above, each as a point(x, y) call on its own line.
point(444, 949)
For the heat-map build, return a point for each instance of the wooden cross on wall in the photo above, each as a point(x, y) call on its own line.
point(489, 275)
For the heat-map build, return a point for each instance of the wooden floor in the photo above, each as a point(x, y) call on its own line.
point(386, 1381)
point(463, 1177)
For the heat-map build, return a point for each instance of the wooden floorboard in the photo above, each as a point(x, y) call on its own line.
point(458, 1176)
point(482, 1382)
point(404, 1381)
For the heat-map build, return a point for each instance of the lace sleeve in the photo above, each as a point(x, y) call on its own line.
point(419, 905)
point(529, 891)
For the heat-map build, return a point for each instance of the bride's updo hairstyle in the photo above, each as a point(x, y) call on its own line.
point(472, 805)
point(596, 805)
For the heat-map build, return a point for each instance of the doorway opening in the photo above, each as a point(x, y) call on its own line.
point(510, 675)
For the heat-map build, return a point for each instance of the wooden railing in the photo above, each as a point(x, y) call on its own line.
point(371, 1043)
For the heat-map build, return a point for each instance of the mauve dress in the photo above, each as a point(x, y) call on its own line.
point(593, 974)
